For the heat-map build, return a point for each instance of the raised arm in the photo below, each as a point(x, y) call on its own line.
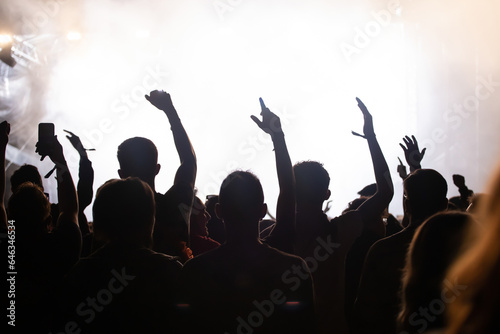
point(412, 153)
point(4, 139)
point(465, 192)
point(186, 173)
point(373, 207)
point(283, 234)
point(403, 174)
point(66, 193)
point(85, 181)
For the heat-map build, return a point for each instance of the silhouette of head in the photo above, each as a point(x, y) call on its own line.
point(312, 181)
point(138, 157)
point(199, 218)
point(241, 199)
point(424, 194)
point(30, 208)
point(124, 210)
point(210, 204)
point(436, 244)
point(25, 173)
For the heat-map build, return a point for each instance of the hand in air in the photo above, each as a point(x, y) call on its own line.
point(270, 123)
point(402, 170)
point(4, 133)
point(413, 154)
point(368, 121)
point(162, 100)
point(76, 142)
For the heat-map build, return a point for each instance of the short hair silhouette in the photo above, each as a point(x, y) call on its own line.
point(312, 181)
point(30, 208)
point(241, 196)
point(138, 157)
point(25, 173)
point(124, 210)
point(426, 190)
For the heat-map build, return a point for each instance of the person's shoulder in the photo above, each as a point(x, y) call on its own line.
point(205, 258)
point(178, 188)
point(164, 258)
point(281, 256)
point(348, 216)
point(349, 223)
point(387, 244)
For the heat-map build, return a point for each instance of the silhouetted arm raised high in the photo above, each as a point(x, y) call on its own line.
point(373, 207)
point(85, 181)
point(186, 173)
point(283, 234)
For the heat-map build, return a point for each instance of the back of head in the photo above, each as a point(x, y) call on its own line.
point(435, 245)
point(241, 197)
point(30, 208)
point(138, 157)
point(312, 181)
point(25, 173)
point(124, 210)
point(425, 193)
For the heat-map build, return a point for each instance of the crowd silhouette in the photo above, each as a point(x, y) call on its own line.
point(147, 262)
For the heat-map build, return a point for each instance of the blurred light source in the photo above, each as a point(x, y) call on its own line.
point(5, 39)
point(73, 35)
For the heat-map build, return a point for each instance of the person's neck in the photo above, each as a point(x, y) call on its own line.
point(415, 222)
point(242, 238)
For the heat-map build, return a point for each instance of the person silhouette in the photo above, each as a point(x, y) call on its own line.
point(377, 304)
point(245, 285)
point(139, 157)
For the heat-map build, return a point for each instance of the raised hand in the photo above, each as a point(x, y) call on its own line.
point(270, 123)
point(4, 133)
point(413, 154)
point(162, 100)
point(368, 124)
point(459, 180)
point(402, 170)
point(52, 148)
point(76, 142)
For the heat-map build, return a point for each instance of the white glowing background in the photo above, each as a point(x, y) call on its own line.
point(216, 58)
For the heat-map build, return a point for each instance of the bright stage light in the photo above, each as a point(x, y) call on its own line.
point(73, 36)
point(5, 39)
point(217, 64)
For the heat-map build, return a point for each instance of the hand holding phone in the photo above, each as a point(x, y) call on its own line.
point(46, 139)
